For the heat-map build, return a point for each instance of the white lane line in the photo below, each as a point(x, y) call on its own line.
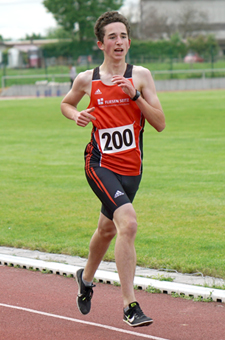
point(83, 322)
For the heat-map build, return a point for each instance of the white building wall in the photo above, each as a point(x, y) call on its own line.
point(214, 8)
point(15, 58)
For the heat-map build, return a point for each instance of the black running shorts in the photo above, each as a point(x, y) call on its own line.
point(112, 189)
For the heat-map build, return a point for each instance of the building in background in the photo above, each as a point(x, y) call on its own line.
point(34, 55)
point(15, 58)
point(30, 50)
point(24, 56)
point(161, 18)
point(2, 48)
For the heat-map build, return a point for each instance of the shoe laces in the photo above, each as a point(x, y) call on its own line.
point(137, 311)
point(88, 292)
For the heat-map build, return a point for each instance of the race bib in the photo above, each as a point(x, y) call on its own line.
point(117, 139)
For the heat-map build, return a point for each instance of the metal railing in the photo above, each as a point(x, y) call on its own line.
point(191, 71)
point(33, 76)
point(203, 73)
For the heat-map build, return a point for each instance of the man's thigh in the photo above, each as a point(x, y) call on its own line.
point(112, 189)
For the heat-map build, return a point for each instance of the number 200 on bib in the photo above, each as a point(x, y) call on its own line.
point(117, 139)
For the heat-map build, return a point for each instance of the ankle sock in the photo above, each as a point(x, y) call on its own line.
point(132, 304)
point(87, 283)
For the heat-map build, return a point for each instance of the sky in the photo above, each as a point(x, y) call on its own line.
point(21, 17)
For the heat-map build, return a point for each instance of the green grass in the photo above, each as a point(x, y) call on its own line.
point(151, 65)
point(46, 204)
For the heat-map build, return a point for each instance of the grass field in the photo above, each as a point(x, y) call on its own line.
point(46, 204)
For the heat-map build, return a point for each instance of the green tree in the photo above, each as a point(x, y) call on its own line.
point(204, 45)
point(34, 36)
point(80, 15)
point(57, 33)
point(177, 46)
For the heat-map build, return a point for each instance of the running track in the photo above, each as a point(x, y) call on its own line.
point(36, 306)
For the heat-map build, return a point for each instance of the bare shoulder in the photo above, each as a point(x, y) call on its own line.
point(141, 71)
point(142, 77)
point(81, 86)
point(83, 81)
point(86, 75)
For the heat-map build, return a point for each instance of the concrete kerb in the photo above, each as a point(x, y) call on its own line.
point(41, 89)
point(107, 273)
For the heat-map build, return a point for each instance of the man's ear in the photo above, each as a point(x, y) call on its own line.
point(100, 45)
point(129, 42)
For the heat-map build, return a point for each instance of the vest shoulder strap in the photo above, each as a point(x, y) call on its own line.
point(127, 74)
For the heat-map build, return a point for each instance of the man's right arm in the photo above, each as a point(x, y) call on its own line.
point(81, 86)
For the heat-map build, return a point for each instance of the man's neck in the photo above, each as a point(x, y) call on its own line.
point(112, 69)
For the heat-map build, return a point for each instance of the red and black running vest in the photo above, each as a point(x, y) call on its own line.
point(116, 138)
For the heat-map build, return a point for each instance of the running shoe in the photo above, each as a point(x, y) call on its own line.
point(134, 316)
point(84, 295)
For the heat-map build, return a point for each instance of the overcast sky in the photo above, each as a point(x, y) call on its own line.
point(21, 17)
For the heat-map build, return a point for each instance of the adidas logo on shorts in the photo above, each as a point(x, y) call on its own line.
point(118, 193)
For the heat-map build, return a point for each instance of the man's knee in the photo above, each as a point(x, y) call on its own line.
point(106, 228)
point(125, 221)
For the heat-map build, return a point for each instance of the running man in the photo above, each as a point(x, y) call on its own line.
point(73, 74)
point(122, 97)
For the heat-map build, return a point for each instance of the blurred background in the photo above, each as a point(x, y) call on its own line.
point(182, 42)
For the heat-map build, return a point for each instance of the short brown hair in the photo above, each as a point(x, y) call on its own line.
point(106, 19)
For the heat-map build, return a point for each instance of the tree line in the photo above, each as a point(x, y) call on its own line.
point(154, 38)
point(161, 49)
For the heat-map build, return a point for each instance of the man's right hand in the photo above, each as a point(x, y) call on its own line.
point(84, 117)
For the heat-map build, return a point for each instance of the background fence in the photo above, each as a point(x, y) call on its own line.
point(59, 84)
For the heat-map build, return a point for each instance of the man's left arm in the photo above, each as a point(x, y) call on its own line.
point(148, 102)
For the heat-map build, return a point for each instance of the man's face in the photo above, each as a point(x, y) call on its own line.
point(116, 42)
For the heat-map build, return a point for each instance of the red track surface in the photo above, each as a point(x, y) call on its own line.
point(36, 306)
